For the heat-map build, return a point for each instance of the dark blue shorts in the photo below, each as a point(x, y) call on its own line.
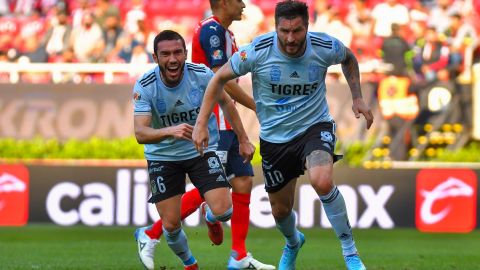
point(228, 153)
point(282, 162)
point(167, 178)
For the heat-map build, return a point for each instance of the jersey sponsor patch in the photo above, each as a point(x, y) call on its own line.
point(223, 155)
point(275, 73)
point(214, 41)
point(195, 97)
point(136, 96)
point(217, 54)
point(243, 56)
point(326, 136)
point(161, 105)
point(313, 72)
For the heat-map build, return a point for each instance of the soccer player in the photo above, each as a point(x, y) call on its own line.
point(212, 45)
point(166, 104)
point(297, 133)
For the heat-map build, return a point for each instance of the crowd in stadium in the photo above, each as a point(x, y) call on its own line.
point(426, 40)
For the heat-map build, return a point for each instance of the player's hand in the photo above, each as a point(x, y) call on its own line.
point(200, 138)
point(359, 107)
point(246, 149)
point(182, 131)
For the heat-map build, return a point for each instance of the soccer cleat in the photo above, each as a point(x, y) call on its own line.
point(353, 262)
point(191, 267)
point(146, 247)
point(247, 262)
point(289, 256)
point(215, 230)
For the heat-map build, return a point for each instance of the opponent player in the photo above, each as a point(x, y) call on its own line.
point(297, 133)
point(167, 101)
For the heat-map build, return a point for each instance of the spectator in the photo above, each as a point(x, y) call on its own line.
point(57, 36)
point(440, 14)
point(78, 13)
point(394, 52)
point(87, 40)
point(103, 10)
point(4, 7)
point(386, 14)
point(431, 56)
point(135, 14)
point(112, 31)
point(360, 21)
point(462, 39)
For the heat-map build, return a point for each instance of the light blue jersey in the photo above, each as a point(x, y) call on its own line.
point(171, 106)
point(289, 92)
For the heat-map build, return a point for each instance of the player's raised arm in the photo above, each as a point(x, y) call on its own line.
point(212, 95)
point(352, 74)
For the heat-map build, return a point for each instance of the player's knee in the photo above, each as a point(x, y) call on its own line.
point(225, 216)
point(322, 183)
point(170, 226)
point(281, 212)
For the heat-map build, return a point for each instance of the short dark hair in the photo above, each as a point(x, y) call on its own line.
point(167, 35)
point(214, 3)
point(290, 9)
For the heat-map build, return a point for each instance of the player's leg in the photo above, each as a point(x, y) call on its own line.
point(167, 182)
point(169, 210)
point(207, 174)
point(191, 201)
point(282, 204)
point(281, 167)
point(319, 163)
point(240, 175)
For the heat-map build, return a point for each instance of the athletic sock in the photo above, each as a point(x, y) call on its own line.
point(334, 206)
point(191, 200)
point(288, 229)
point(240, 222)
point(177, 241)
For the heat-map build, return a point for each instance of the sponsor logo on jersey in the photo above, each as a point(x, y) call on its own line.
point(180, 117)
point(214, 41)
point(326, 136)
point(161, 105)
point(294, 75)
point(213, 27)
point(195, 97)
point(243, 56)
point(313, 72)
point(446, 200)
point(14, 189)
point(178, 103)
point(217, 54)
point(136, 96)
point(275, 73)
point(293, 89)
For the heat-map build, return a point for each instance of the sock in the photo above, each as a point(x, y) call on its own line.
point(211, 218)
point(240, 223)
point(288, 229)
point(191, 200)
point(177, 241)
point(336, 211)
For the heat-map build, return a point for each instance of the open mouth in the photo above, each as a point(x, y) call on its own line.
point(173, 71)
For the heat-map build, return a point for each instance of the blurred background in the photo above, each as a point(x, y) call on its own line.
point(67, 70)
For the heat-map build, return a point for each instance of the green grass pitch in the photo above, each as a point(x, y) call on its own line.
point(79, 247)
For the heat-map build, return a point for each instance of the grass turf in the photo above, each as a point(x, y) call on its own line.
point(79, 247)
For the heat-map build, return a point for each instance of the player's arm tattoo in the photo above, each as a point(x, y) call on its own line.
point(318, 158)
point(352, 74)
